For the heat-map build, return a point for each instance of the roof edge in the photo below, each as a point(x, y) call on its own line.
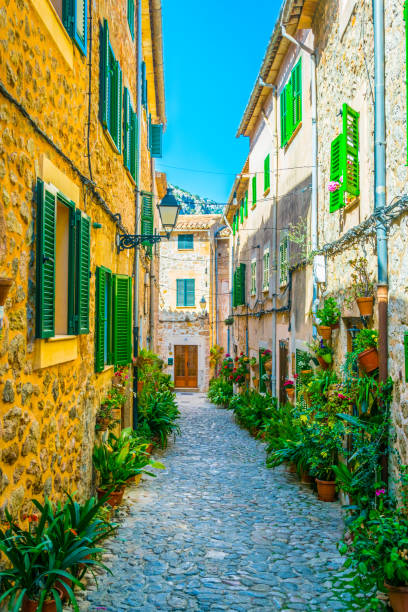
point(155, 10)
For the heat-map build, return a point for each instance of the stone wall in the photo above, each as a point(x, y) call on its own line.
point(48, 413)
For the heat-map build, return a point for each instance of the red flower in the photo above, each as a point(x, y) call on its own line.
point(296, 376)
point(231, 377)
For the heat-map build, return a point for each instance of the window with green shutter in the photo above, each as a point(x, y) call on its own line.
point(262, 372)
point(265, 284)
point(62, 265)
point(344, 160)
point(74, 15)
point(291, 104)
point(111, 90)
point(103, 319)
point(246, 204)
point(122, 319)
point(147, 224)
point(234, 225)
point(185, 292)
point(254, 191)
point(144, 85)
point(185, 242)
point(253, 277)
point(131, 17)
point(241, 212)
point(267, 173)
point(155, 139)
point(130, 128)
point(239, 286)
point(283, 260)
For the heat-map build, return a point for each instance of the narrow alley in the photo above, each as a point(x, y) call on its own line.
point(219, 531)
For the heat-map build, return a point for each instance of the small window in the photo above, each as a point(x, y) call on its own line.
point(284, 260)
point(253, 277)
point(131, 17)
point(74, 15)
point(265, 284)
point(186, 242)
point(267, 173)
point(291, 104)
point(185, 292)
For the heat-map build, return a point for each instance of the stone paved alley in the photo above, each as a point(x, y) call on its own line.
point(219, 531)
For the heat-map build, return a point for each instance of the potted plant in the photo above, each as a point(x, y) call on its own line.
point(327, 433)
point(328, 318)
point(255, 381)
point(266, 356)
point(104, 416)
point(229, 320)
point(303, 363)
point(323, 352)
point(289, 388)
point(362, 287)
point(114, 469)
point(365, 346)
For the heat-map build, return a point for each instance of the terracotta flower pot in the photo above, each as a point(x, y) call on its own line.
point(335, 325)
point(322, 362)
point(61, 587)
point(305, 372)
point(140, 385)
point(305, 477)
point(114, 499)
point(49, 605)
point(149, 449)
point(368, 360)
point(365, 306)
point(326, 490)
point(290, 392)
point(103, 423)
point(291, 468)
point(398, 597)
point(324, 331)
point(268, 366)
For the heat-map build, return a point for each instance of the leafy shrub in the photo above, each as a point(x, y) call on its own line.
point(220, 392)
point(159, 412)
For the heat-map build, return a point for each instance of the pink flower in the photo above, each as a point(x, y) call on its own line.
point(380, 492)
point(341, 396)
point(228, 355)
point(296, 376)
point(333, 186)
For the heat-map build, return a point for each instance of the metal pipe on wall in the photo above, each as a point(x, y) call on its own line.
point(380, 184)
point(231, 240)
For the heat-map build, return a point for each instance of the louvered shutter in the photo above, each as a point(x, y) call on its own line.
point(253, 277)
point(267, 176)
point(336, 172)
point(105, 75)
point(131, 17)
point(180, 292)
point(190, 292)
point(45, 281)
point(351, 170)
point(144, 85)
point(242, 283)
point(289, 110)
point(241, 212)
point(155, 140)
point(134, 158)
point(283, 257)
point(254, 190)
point(147, 217)
point(127, 129)
point(246, 204)
point(122, 319)
point(74, 18)
point(297, 94)
point(83, 243)
point(262, 384)
point(283, 111)
point(234, 225)
point(117, 92)
point(100, 319)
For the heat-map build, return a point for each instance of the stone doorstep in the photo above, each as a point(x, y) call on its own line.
point(186, 389)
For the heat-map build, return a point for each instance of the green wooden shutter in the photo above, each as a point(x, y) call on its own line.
point(127, 131)
point(147, 219)
point(100, 319)
point(241, 212)
point(238, 287)
point(297, 93)
point(144, 85)
point(45, 282)
point(155, 140)
point(131, 17)
point(105, 85)
point(117, 92)
point(122, 319)
point(135, 149)
point(351, 170)
point(246, 204)
point(254, 190)
point(180, 292)
point(336, 172)
point(83, 243)
point(74, 18)
point(283, 257)
point(406, 355)
point(283, 111)
point(234, 225)
point(190, 292)
point(289, 110)
point(242, 283)
point(267, 175)
point(262, 385)
point(253, 277)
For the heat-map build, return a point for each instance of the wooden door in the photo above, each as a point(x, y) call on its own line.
point(283, 370)
point(185, 366)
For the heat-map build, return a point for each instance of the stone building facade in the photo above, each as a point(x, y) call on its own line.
point(66, 193)
point(185, 319)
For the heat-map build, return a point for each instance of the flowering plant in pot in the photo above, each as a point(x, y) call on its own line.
point(362, 285)
point(326, 444)
point(227, 366)
point(328, 317)
point(323, 352)
point(266, 356)
point(365, 346)
point(240, 373)
point(289, 386)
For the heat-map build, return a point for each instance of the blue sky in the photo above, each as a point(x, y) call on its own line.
point(213, 50)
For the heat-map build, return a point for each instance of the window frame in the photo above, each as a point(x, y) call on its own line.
point(284, 249)
point(253, 278)
point(185, 293)
point(266, 271)
point(185, 248)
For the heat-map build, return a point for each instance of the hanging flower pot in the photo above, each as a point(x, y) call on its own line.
point(290, 392)
point(322, 362)
point(398, 596)
point(326, 490)
point(368, 360)
point(324, 331)
point(365, 306)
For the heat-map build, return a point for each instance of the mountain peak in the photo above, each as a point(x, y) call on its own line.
point(195, 204)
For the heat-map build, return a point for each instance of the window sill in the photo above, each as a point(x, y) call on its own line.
point(60, 338)
point(56, 30)
point(294, 134)
point(107, 368)
point(53, 351)
point(352, 204)
point(186, 250)
point(110, 140)
point(184, 307)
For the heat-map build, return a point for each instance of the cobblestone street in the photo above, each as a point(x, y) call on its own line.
point(219, 531)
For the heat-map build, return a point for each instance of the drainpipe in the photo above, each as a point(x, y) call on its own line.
point(137, 209)
point(219, 230)
point(229, 338)
point(314, 205)
point(380, 186)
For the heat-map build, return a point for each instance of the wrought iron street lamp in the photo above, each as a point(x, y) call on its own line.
point(203, 304)
point(169, 209)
